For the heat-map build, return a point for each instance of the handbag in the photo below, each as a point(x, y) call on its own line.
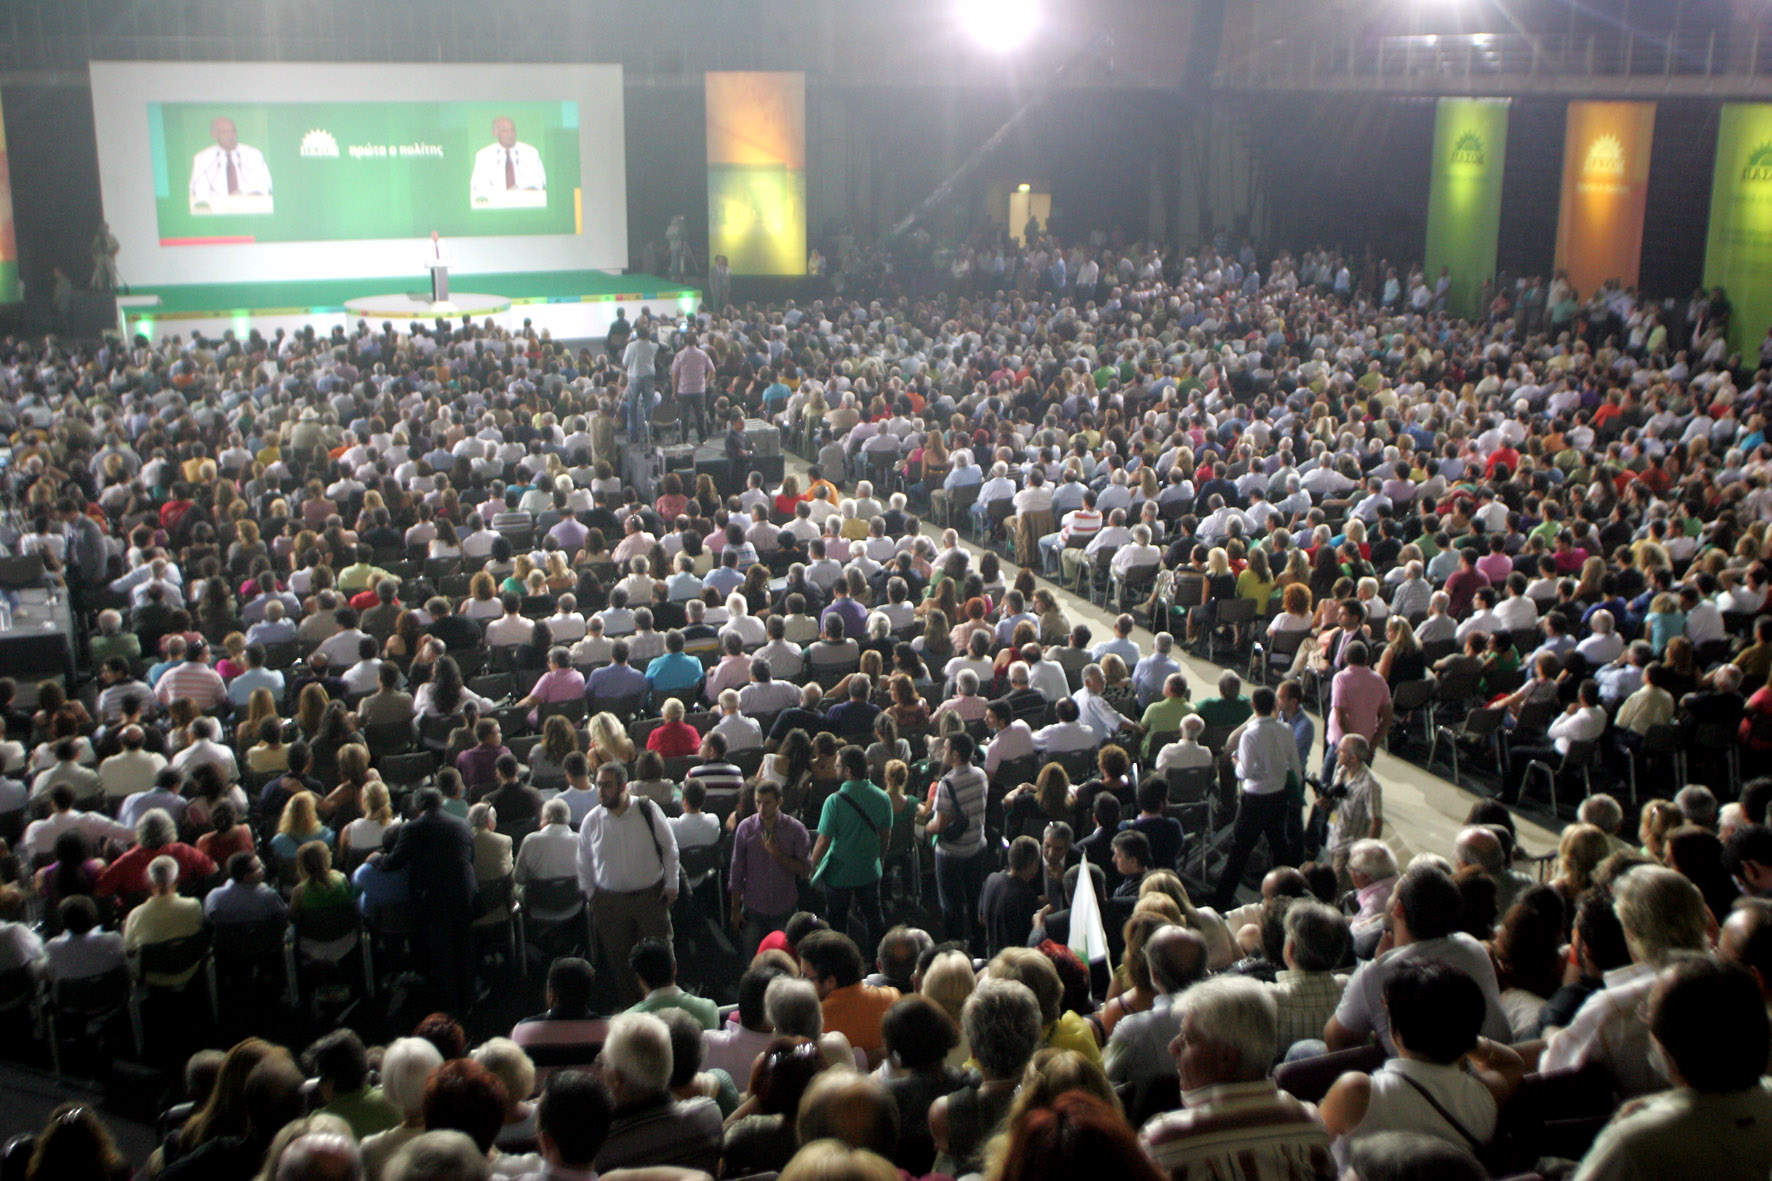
point(955, 829)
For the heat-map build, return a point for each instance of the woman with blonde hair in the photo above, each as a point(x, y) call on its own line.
point(1221, 584)
point(948, 981)
point(362, 836)
point(344, 803)
point(1221, 948)
point(1131, 990)
point(299, 824)
point(260, 704)
point(609, 741)
point(1579, 853)
point(1402, 659)
point(1660, 818)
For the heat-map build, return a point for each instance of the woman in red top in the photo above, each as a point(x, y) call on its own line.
point(674, 738)
point(787, 497)
point(671, 501)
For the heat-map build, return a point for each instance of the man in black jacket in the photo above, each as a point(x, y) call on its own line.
point(438, 849)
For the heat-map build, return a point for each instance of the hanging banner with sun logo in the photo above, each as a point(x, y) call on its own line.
point(1738, 250)
point(1464, 197)
point(1605, 187)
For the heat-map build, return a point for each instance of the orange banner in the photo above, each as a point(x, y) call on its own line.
point(1605, 187)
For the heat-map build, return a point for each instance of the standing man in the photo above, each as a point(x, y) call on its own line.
point(1359, 703)
point(104, 261)
point(958, 823)
point(627, 868)
point(719, 284)
point(438, 849)
point(771, 852)
point(1266, 756)
point(854, 828)
point(690, 370)
point(640, 359)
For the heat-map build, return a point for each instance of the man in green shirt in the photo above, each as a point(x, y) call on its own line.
point(341, 1067)
point(854, 829)
point(655, 965)
point(1230, 707)
point(1163, 716)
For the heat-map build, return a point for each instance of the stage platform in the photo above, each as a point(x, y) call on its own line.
point(570, 305)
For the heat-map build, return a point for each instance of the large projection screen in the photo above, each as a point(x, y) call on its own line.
point(256, 172)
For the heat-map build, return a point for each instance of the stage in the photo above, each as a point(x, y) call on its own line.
point(569, 305)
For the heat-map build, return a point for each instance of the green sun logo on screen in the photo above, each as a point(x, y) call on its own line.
point(1759, 164)
point(1468, 149)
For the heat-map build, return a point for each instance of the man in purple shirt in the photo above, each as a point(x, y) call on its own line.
point(570, 533)
point(852, 613)
point(479, 763)
point(770, 853)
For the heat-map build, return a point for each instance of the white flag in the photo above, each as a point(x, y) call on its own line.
point(1088, 936)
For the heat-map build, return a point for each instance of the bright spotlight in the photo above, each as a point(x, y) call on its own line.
point(1024, 187)
point(999, 24)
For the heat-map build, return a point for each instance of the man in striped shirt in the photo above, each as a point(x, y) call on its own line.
point(1234, 1121)
point(194, 679)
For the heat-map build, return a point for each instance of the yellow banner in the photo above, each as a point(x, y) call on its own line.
point(1605, 186)
point(757, 171)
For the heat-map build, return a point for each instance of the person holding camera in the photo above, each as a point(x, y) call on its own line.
point(1354, 804)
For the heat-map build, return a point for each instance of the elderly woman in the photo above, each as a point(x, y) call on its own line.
point(1002, 1025)
point(406, 1067)
point(673, 738)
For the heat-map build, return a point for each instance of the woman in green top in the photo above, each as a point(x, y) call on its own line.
point(322, 893)
point(854, 830)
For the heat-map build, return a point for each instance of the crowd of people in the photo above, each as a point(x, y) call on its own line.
point(374, 625)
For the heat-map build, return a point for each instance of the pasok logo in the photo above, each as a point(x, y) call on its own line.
point(1605, 157)
point(1469, 149)
point(319, 142)
point(1758, 169)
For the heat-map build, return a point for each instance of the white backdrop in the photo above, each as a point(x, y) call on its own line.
point(121, 92)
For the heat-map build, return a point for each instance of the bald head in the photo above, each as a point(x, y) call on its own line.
point(1177, 958)
point(1479, 846)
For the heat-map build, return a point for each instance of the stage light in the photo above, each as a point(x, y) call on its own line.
point(999, 24)
point(1024, 187)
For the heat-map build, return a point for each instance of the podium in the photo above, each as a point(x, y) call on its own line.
point(439, 268)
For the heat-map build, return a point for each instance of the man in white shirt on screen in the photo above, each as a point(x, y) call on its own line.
point(228, 168)
point(507, 166)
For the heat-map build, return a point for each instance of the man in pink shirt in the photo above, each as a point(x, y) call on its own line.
point(690, 370)
point(1496, 565)
point(1359, 703)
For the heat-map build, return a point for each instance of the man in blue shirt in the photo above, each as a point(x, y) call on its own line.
point(1149, 674)
point(675, 669)
point(852, 613)
point(616, 679)
point(256, 676)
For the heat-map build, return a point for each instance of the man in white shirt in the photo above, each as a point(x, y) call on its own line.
point(206, 747)
point(227, 168)
point(1012, 737)
point(551, 851)
point(765, 694)
point(1266, 760)
point(740, 732)
point(39, 837)
point(627, 867)
point(131, 769)
point(1066, 734)
point(504, 169)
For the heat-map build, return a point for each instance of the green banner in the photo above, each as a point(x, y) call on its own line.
point(351, 171)
point(1738, 251)
point(1464, 197)
point(9, 286)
